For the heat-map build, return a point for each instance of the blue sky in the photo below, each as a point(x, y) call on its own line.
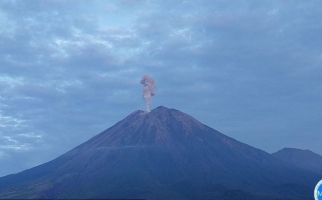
point(70, 69)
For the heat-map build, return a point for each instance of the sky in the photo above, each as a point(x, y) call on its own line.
point(71, 69)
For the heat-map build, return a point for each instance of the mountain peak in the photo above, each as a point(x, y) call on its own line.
point(304, 159)
point(161, 125)
point(162, 116)
point(289, 151)
point(163, 154)
point(162, 108)
point(158, 110)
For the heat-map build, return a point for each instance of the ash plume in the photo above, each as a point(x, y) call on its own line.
point(148, 91)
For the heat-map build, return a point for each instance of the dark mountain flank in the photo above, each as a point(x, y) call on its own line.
point(164, 154)
point(304, 159)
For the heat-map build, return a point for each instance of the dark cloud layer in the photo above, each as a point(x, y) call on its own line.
point(70, 69)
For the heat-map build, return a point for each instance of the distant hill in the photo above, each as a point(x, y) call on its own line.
point(304, 159)
point(164, 154)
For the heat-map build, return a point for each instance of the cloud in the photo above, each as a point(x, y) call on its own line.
point(68, 71)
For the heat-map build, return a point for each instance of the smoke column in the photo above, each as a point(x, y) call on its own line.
point(148, 91)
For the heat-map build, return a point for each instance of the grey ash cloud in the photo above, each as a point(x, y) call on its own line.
point(69, 69)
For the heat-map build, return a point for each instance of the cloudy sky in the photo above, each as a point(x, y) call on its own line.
point(70, 69)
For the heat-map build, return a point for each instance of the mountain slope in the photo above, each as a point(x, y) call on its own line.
point(304, 159)
point(165, 154)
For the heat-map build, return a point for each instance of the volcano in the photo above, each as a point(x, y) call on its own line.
point(164, 154)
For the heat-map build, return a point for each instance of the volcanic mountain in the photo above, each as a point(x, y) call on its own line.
point(164, 154)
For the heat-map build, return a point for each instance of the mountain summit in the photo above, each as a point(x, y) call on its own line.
point(163, 154)
point(304, 159)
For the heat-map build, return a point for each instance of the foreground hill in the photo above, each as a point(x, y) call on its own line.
point(164, 154)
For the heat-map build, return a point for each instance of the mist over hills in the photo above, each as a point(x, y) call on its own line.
point(164, 154)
